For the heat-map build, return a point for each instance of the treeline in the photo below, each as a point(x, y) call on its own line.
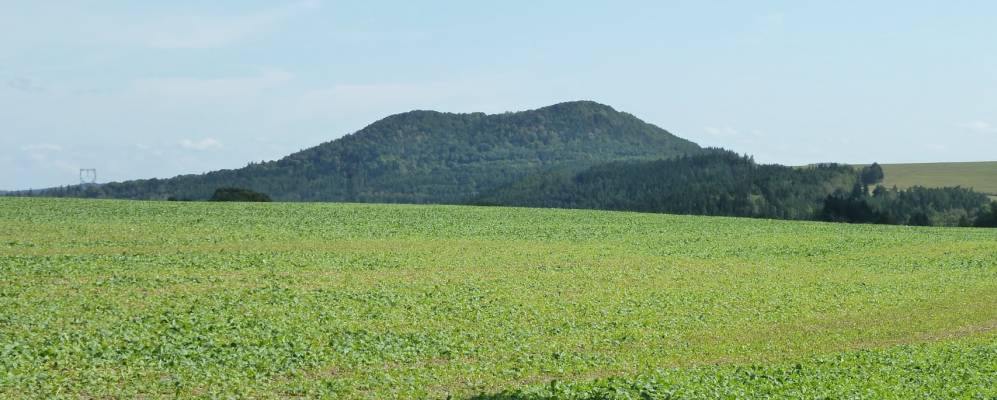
point(721, 182)
point(949, 206)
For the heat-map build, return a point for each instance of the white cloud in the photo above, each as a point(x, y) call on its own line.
point(727, 132)
point(204, 32)
point(184, 94)
point(45, 156)
point(722, 132)
point(41, 147)
point(978, 126)
point(207, 143)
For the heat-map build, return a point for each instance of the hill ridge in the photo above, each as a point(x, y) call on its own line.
point(426, 156)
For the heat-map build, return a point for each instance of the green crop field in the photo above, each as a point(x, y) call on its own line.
point(119, 299)
point(981, 176)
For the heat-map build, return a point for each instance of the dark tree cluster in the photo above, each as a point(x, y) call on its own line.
point(948, 206)
point(238, 194)
point(988, 216)
point(872, 174)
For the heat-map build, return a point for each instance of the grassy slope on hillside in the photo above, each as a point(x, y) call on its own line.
point(122, 299)
point(981, 176)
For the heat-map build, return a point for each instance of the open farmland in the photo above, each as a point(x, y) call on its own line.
point(164, 299)
point(981, 176)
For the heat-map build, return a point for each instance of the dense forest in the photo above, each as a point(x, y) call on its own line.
point(951, 206)
point(427, 157)
point(718, 182)
point(721, 182)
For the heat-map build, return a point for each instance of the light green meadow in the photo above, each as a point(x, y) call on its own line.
point(123, 299)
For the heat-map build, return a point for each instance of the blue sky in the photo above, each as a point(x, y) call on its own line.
point(156, 89)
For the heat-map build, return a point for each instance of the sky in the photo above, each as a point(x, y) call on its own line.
point(157, 89)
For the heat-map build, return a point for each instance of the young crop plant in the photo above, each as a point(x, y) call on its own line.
point(125, 299)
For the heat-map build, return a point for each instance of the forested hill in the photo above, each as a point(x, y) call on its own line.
point(428, 157)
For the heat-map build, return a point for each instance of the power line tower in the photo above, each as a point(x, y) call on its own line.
point(88, 176)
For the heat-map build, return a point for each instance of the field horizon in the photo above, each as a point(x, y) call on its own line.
point(978, 175)
point(113, 298)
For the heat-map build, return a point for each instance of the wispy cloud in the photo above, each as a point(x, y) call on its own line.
point(935, 147)
point(207, 143)
point(48, 156)
point(722, 132)
point(24, 85)
point(204, 32)
point(184, 95)
point(773, 18)
point(41, 147)
point(978, 126)
point(727, 132)
point(211, 90)
point(379, 99)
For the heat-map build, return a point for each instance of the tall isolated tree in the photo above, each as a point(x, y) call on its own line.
point(872, 174)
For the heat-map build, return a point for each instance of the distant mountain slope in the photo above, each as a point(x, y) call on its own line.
point(980, 176)
point(716, 182)
point(429, 157)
